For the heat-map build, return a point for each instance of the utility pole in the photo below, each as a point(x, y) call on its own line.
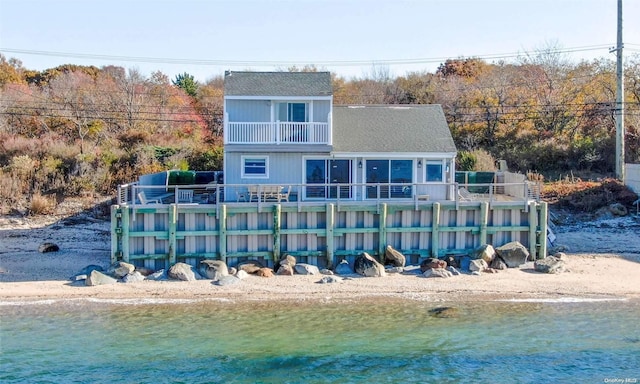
point(619, 100)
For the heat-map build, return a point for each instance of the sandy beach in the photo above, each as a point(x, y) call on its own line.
point(603, 261)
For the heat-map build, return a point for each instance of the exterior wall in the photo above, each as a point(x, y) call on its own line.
point(248, 110)
point(284, 168)
point(321, 109)
point(632, 177)
point(260, 110)
point(321, 234)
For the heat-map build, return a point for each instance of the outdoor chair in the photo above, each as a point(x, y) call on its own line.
point(284, 196)
point(144, 200)
point(185, 196)
point(465, 195)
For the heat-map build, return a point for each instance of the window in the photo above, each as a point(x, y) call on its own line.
point(393, 175)
point(255, 167)
point(434, 172)
point(325, 171)
point(293, 112)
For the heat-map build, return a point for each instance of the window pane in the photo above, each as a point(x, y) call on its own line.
point(316, 174)
point(255, 166)
point(377, 172)
point(434, 172)
point(401, 172)
point(297, 112)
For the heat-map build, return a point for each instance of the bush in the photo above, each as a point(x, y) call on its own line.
point(41, 205)
point(466, 161)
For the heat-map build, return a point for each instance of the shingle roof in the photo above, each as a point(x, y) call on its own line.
point(391, 128)
point(277, 84)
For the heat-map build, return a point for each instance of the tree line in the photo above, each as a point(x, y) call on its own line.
point(72, 129)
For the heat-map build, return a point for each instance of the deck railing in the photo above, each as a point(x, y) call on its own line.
point(136, 194)
point(277, 133)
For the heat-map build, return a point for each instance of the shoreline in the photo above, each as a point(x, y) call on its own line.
point(590, 278)
point(605, 264)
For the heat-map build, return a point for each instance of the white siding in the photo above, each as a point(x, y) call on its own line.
point(632, 177)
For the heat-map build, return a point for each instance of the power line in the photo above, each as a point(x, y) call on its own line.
point(276, 63)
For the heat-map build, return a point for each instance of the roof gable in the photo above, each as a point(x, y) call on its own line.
point(294, 84)
point(391, 128)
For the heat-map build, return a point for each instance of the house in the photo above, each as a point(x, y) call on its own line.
point(281, 128)
point(357, 179)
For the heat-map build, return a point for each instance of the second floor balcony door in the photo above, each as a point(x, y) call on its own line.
point(293, 118)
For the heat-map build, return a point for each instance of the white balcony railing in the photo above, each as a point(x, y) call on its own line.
point(277, 133)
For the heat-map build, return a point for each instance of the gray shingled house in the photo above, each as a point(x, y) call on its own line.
point(282, 129)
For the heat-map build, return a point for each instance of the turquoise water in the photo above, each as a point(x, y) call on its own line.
point(91, 341)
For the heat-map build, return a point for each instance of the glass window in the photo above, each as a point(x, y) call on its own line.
point(434, 172)
point(255, 167)
point(393, 175)
point(293, 112)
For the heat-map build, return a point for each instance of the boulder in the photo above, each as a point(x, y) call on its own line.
point(437, 272)
point(213, 269)
point(182, 271)
point(227, 280)
point(330, 279)
point(432, 263)
point(288, 260)
point(514, 254)
point(120, 269)
point(549, 264)
point(393, 257)
point(99, 278)
point(326, 271)
point(618, 209)
point(478, 265)
point(411, 270)
point(133, 277)
point(444, 312)
point(485, 252)
point(390, 269)
point(366, 265)
point(265, 272)
point(285, 270)
point(453, 270)
point(497, 263)
point(241, 274)
point(78, 277)
point(159, 275)
point(250, 266)
point(344, 268)
point(48, 247)
point(84, 272)
point(144, 271)
point(560, 255)
point(452, 261)
point(306, 269)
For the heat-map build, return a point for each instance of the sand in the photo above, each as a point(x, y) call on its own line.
point(603, 259)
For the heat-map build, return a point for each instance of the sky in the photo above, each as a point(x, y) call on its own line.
point(352, 38)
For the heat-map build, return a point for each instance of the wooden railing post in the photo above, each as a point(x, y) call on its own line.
point(222, 225)
point(435, 233)
point(277, 212)
point(533, 229)
point(382, 232)
point(125, 233)
point(330, 212)
point(542, 251)
point(173, 220)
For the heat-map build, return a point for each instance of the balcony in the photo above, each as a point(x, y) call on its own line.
point(277, 133)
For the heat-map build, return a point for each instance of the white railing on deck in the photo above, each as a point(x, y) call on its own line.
point(277, 133)
point(367, 192)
